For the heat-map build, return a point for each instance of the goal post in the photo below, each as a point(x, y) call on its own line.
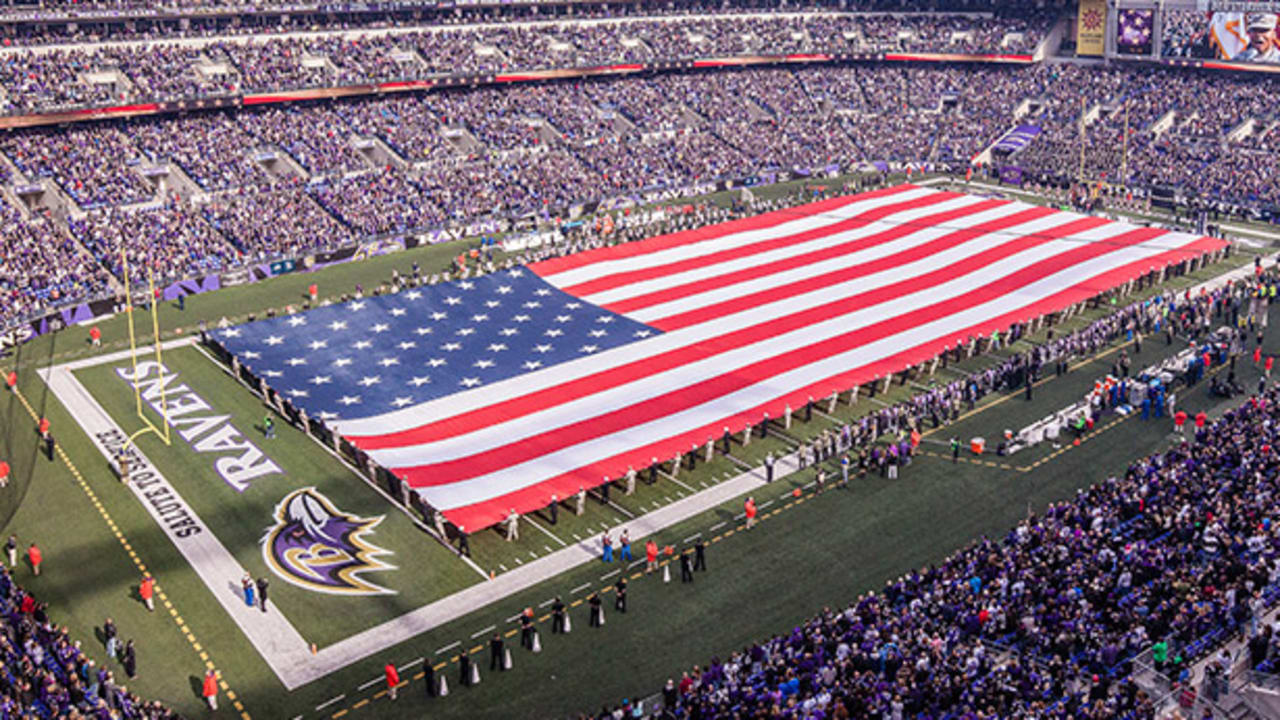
point(149, 425)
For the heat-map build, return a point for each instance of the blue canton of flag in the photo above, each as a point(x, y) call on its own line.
point(377, 354)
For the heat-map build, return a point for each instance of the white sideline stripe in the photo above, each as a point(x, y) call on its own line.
point(330, 701)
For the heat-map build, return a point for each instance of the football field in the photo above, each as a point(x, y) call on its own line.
point(222, 499)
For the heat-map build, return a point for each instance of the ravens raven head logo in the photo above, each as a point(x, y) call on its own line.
point(316, 546)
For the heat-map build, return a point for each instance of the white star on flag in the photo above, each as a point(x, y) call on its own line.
point(297, 320)
point(407, 345)
point(423, 331)
point(573, 305)
point(320, 379)
point(521, 318)
point(437, 315)
point(597, 333)
point(497, 347)
point(484, 364)
point(533, 304)
point(251, 354)
point(508, 332)
point(543, 348)
point(298, 393)
point(317, 344)
point(436, 362)
point(353, 307)
point(231, 332)
point(402, 401)
point(274, 340)
point(325, 415)
point(349, 399)
point(466, 284)
point(604, 319)
point(503, 289)
point(362, 344)
point(479, 318)
point(492, 303)
point(389, 361)
point(589, 348)
point(563, 318)
point(337, 325)
point(273, 373)
point(532, 365)
point(451, 346)
point(419, 381)
point(470, 382)
point(642, 333)
point(370, 380)
point(553, 333)
point(397, 312)
point(515, 273)
point(542, 291)
point(380, 327)
point(295, 362)
point(342, 362)
point(452, 300)
point(413, 294)
point(465, 331)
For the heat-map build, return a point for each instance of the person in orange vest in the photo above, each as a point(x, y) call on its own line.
point(651, 556)
point(393, 680)
point(1179, 419)
point(4, 474)
point(915, 438)
point(1201, 419)
point(147, 590)
point(1270, 360)
point(11, 380)
point(1257, 355)
point(314, 291)
point(749, 509)
point(211, 689)
point(44, 427)
point(95, 336)
point(36, 557)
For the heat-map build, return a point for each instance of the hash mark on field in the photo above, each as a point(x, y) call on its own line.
point(765, 504)
point(576, 537)
point(638, 562)
point(610, 574)
point(704, 484)
point(502, 567)
point(716, 527)
point(512, 619)
point(518, 562)
point(581, 587)
point(547, 548)
point(372, 682)
point(667, 498)
point(330, 701)
point(411, 664)
point(478, 633)
point(449, 647)
point(546, 602)
point(691, 538)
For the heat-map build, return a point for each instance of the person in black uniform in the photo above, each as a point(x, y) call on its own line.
point(686, 568)
point(495, 652)
point(557, 616)
point(464, 545)
point(620, 599)
point(429, 677)
point(464, 669)
point(526, 629)
point(597, 613)
point(700, 555)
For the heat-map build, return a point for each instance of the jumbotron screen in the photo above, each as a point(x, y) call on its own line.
point(1235, 36)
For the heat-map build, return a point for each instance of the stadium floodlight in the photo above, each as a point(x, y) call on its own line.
point(161, 432)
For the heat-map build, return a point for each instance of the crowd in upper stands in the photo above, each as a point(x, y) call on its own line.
point(400, 162)
point(50, 79)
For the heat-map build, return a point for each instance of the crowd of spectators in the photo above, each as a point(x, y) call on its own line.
point(45, 674)
point(39, 79)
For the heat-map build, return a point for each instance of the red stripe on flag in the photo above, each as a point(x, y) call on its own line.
point(609, 282)
point(547, 268)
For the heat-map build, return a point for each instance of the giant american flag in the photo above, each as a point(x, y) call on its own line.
point(494, 393)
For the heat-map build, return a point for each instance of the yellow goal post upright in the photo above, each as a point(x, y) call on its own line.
point(163, 431)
